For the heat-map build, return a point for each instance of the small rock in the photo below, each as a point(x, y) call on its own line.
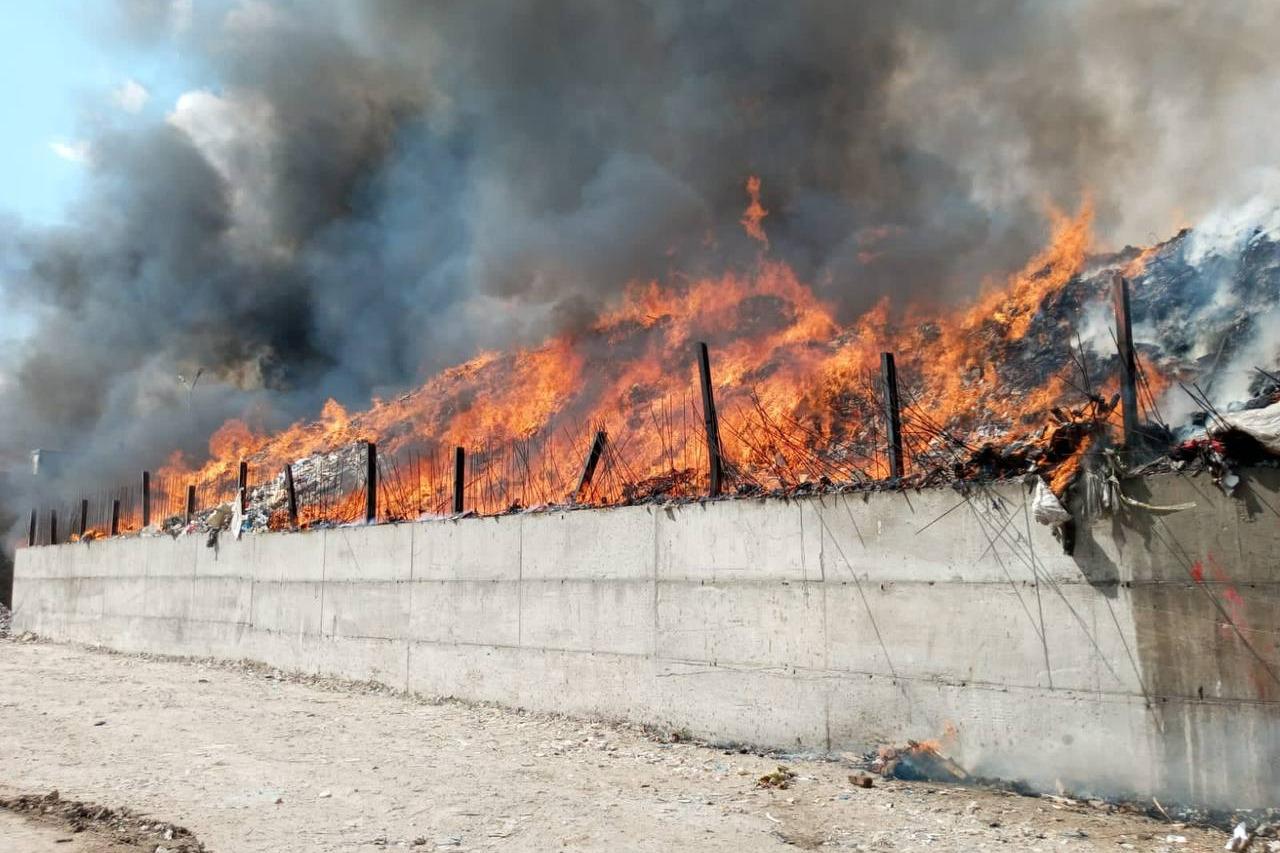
point(324, 795)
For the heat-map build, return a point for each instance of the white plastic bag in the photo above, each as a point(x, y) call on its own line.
point(1046, 507)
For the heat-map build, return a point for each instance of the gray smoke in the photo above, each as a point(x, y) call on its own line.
point(375, 190)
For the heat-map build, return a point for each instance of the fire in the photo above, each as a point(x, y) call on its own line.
point(1138, 265)
point(753, 217)
point(796, 391)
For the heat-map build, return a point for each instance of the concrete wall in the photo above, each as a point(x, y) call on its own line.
point(1146, 663)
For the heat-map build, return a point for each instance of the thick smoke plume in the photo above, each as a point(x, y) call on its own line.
point(366, 192)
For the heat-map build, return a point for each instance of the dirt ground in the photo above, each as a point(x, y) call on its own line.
point(251, 760)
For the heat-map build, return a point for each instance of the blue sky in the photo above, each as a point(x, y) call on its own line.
point(62, 71)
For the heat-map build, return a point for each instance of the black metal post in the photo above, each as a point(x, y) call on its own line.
point(893, 414)
point(146, 498)
point(31, 531)
point(115, 517)
point(589, 469)
point(459, 479)
point(1128, 361)
point(293, 495)
point(191, 502)
point(84, 517)
point(371, 484)
point(53, 527)
point(715, 462)
point(242, 486)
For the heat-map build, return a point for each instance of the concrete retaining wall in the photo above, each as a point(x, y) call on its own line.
point(1146, 663)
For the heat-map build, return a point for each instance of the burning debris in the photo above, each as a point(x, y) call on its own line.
point(1248, 437)
point(917, 762)
point(1026, 384)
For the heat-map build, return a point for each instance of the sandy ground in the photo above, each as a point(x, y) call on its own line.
point(251, 762)
point(19, 834)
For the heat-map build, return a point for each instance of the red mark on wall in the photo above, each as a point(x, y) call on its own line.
point(1235, 627)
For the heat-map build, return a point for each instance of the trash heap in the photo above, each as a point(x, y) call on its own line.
point(319, 480)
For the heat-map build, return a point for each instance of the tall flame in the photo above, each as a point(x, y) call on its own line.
point(795, 388)
point(753, 216)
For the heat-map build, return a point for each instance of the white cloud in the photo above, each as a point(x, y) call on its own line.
point(131, 97)
point(74, 150)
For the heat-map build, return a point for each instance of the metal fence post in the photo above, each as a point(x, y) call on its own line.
point(893, 414)
point(715, 461)
point(459, 479)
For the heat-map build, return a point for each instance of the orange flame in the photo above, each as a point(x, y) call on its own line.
point(794, 389)
point(753, 217)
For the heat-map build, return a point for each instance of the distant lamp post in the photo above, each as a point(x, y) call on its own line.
point(190, 386)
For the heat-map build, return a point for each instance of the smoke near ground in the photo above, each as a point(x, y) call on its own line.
point(368, 192)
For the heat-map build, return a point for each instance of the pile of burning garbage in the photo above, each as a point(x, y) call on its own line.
point(1024, 384)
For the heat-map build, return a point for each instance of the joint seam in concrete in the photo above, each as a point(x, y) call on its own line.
point(408, 647)
point(520, 583)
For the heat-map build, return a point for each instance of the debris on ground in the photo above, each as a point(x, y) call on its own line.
point(6, 620)
point(780, 778)
point(125, 829)
point(917, 762)
point(1241, 839)
point(862, 780)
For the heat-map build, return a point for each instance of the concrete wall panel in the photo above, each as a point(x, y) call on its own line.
point(380, 553)
point(1143, 662)
point(167, 597)
point(744, 705)
point(374, 609)
point(290, 557)
point(1018, 635)
point(586, 683)
point(736, 540)
point(936, 536)
point(231, 557)
point(471, 673)
point(468, 549)
point(363, 659)
point(766, 624)
point(222, 599)
point(620, 548)
point(289, 608)
point(475, 612)
point(126, 596)
point(587, 616)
